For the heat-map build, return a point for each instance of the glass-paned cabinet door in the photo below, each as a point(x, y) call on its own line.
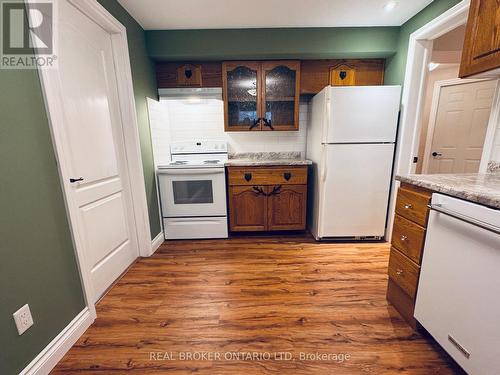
point(280, 103)
point(241, 92)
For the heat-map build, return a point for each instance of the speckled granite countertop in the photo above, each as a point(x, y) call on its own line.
point(479, 188)
point(250, 159)
point(494, 166)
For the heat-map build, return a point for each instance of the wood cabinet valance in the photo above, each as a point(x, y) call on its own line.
point(314, 74)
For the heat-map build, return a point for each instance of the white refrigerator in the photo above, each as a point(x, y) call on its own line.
point(351, 139)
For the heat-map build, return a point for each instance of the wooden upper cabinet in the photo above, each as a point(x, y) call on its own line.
point(242, 101)
point(342, 75)
point(317, 74)
point(481, 52)
point(280, 95)
point(261, 95)
point(188, 74)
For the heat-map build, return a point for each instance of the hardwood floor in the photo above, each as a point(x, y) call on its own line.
point(259, 295)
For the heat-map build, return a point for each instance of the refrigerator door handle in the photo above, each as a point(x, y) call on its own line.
point(323, 166)
point(326, 123)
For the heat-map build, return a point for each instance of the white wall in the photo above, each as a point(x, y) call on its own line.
point(188, 120)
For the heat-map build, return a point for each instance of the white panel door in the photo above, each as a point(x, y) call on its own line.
point(355, 190)
point(460, 127)
point(95, 146)
point(366, 114)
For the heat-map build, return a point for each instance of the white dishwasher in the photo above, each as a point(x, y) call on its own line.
point(458, 298)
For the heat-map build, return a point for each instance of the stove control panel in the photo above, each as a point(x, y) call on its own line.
point(198, 147)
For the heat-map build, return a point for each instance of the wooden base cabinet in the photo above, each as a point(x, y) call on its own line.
point(408, 236)
point(286, 209)
point(248, 208)
point(267, 198)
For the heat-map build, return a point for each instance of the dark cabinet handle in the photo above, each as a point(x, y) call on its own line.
point(436, 154)
point(259, 190)
point(287, 176)
point(275, 191)
point(267, 123)
point(248, 176)
point(75, 179)
point(255, 123)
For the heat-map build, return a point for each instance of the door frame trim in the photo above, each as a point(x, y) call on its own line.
point(438, 85)
point(418, 58)
point(98, 14)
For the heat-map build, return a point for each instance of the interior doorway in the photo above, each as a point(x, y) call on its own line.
point(104, 190)
point(455, 112)
point(457, 127)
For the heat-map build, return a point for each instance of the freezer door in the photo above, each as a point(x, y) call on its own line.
point(355, 190)
point(362, 114)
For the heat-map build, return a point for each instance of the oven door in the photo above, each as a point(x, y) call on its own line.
point(195, 192)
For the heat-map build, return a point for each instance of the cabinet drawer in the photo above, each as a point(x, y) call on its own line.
point(401, 302)
point(267, 175)
point(412, 205)
point(408, 238)
point(403, 272)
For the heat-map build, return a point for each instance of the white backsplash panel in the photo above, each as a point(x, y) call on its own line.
point(188, 120)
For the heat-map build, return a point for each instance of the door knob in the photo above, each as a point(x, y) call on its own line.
point(436, 154)
point(76, 179)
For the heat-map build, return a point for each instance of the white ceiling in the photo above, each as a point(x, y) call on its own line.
point(226, 14)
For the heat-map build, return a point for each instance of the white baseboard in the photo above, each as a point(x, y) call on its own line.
point(59, 346)
point(156, 243)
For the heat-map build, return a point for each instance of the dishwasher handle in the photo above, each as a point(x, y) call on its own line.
point(481, 224)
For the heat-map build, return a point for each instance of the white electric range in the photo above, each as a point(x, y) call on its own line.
point(193, 191)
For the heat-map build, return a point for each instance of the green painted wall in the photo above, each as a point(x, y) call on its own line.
point(395, 65)
point(310, 43)
point(38, 263)
point(144, 80)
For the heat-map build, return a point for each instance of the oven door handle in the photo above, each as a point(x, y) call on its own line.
point(191, 171)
